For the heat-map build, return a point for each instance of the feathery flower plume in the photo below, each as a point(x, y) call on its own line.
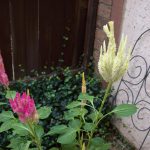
point(3, 76)
point(83, 84)
point(25, 108)
point(112, 62)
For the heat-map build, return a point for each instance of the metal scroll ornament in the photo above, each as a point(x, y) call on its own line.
point(135, 86)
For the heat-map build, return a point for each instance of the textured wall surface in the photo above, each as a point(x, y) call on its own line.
point(135, 85)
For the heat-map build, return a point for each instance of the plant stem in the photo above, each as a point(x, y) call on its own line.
point(100, 110)
point(89, 141)
point(36, 139)
point(79, 139)
point(105, 96)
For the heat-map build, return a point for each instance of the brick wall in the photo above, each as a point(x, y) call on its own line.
point(103, 16)
point(107, 10)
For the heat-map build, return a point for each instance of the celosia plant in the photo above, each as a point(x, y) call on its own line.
point(82, 116)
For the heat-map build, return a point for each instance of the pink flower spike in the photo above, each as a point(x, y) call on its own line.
point(3, 76)
point(25, 108)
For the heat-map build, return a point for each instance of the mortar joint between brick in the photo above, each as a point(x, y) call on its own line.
point(105, 4)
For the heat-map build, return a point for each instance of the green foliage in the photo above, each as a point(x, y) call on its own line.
point(80, 129)
point(7, 125)
point(69, 147)
point(21, 129)
point(98, 143)
point(68, 137)
point(75, 124)
point(6, 115)
point(125, 110)
point(87, 97)
point(18, 143)
point(55, 91)
point(10, 94)
point(39, 131)
point(73, 117)
point(89, 126)
point(1, 103)
point(44, 112)
point(29, 133)
point(58, 129)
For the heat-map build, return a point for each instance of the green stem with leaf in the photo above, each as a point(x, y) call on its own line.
point(35, 138)
point(105, 96)
point(100, 110)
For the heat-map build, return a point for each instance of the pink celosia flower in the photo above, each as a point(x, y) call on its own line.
point(25, 108)
point(3, 76)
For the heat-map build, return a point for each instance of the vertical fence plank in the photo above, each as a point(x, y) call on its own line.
point(90, 29)
point(25, 29)
point(79, 28)
point(19, 38)
point(50, 31)
point(31, 32)
point(69, 31)
point(5, 36)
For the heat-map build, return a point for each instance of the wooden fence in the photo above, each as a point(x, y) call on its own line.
point(34, 33)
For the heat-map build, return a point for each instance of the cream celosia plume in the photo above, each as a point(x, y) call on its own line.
point(112, 62)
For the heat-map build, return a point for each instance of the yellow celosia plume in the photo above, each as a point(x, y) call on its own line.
point(83, 84)
point(112, 62)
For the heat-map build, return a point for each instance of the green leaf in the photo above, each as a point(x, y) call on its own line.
point(74, 104)
point(75, 112)
point(7, 125)
point(68, 137)
point(44, 112)
point(10, 94)
point(83, 111)
point(86, 97)
point(125, 110)
point(15, 143)
point(54, 148)
point(94, 115)
point(18, 143)
point(1, 103)
point(26, 147)
point(39, 131)
point(70, 147)
point(6, 115)
point(20, 131)
point(59, 129)
point(98, 143)
point(75, 124)
point(21, 127)
point(89, 126)
point(72, 113)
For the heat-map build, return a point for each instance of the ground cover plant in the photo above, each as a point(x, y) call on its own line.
point(81, 120)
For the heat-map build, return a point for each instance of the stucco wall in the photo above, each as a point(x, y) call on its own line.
point(135, 86)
